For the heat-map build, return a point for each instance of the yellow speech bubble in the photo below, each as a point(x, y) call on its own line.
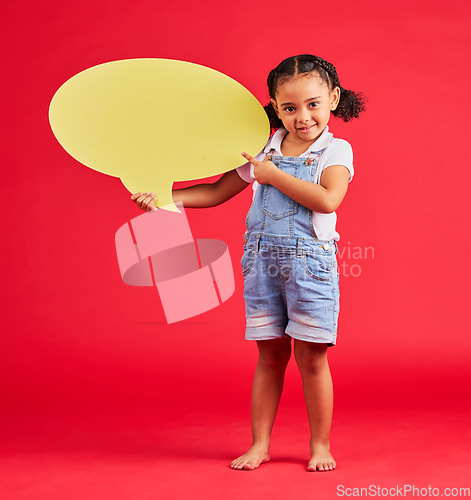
point(155, 121)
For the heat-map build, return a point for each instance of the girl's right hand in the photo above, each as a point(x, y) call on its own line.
point(145, 201)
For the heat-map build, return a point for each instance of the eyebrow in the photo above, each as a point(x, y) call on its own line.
point(307, 100)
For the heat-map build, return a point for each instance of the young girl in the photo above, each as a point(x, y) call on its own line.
point(289, 262)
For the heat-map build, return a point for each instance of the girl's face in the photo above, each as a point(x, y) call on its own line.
point(303, 103)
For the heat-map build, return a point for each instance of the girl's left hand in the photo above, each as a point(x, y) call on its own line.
point(262, 170)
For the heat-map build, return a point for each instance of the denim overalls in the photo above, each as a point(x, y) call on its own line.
point(290, 277)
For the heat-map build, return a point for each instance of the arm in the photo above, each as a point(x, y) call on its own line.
point(210, 195)
point(324, 197)
point(200, 195)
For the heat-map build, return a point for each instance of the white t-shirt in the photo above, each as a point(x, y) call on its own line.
point(332, 152)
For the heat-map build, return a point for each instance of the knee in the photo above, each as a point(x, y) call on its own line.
point(274, 356)
point(311, 360)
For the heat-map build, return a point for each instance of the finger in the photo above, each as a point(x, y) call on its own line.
point(140, 199)
point(149, 203)
point(152, 206)
point(251, 159)
point(144, 201)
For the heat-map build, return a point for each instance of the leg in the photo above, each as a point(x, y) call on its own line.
point(266, 393)
point(312, 361)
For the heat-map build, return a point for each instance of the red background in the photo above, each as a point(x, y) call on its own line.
point(101, 398)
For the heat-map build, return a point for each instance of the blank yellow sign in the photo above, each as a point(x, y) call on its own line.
point(155, 121)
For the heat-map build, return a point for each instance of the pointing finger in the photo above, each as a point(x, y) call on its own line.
point(251, 159)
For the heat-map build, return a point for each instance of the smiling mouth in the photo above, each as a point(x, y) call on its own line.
point(307, 129)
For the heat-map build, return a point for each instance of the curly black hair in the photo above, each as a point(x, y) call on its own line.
point(351, 103)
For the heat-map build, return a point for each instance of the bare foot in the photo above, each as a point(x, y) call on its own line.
point(252, 459)
point(321, 459)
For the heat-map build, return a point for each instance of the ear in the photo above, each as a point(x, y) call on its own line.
point(334, 98)
point(273, 102)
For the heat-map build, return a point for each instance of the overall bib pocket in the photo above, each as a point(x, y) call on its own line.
point(276, 204)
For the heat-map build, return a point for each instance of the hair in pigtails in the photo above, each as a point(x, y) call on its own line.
point(272, 82)
point(275, 122)
point(351, 103)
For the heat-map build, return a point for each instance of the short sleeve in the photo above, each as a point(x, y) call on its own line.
point(246, 172)
point(339, 152)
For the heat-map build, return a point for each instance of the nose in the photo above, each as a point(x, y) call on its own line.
point(304, 116)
